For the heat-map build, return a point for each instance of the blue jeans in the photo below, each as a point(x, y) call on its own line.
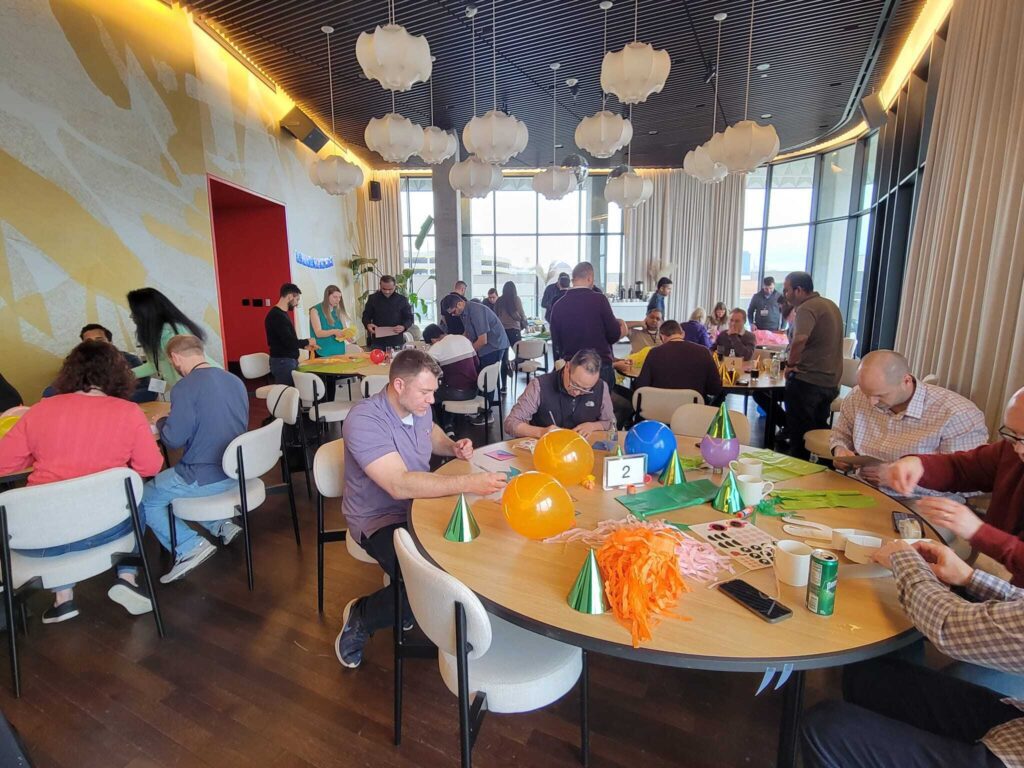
point(158, 495)
point(97, 540)
point(281, 369)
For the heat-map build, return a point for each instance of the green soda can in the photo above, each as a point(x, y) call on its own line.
point(821, 584)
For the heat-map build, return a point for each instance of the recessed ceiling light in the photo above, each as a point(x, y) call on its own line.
point(763, 67)
point(652, 133)
point(766, 116)
point(559, 146)
point(327, 30)
point(764, 75)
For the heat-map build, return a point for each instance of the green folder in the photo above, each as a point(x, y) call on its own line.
point(779, 467)
point(668, 498)
point(796, 500)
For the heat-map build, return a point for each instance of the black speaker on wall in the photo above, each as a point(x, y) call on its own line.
point(298, 124)
point(873, 111)
point(375, 191)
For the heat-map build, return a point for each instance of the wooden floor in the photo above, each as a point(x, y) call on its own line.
point(250, 679)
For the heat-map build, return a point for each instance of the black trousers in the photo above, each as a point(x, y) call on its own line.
point(808, 407)
point(514, 337)
point(378, 610)
point(900, 714)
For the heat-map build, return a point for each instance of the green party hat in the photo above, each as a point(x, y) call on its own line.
point(462, 525)
point(618, 449)
point(673, 472)
point(587, 593)
point(728, 497)
point(721, 425)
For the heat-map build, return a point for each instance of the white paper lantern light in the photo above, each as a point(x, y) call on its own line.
point(438, 145)
point(635, 72)
point(393, 57)
point(474, 177)
point(495, 137)
point(699, 164)
point(554, 182)
point(393, 137)
point(335, 175)
point(603, 134)
point(628, 190)
point(744, 146)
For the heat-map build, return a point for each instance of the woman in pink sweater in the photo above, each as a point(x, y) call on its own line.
point(86, 428)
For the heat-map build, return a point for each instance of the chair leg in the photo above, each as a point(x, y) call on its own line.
point(174, 533)
point(305, 454)
point(320, 553)
point(133, 507)
point(243, 508)
point(501, 418)
point(584, 711)
point(399, 636)
point(291, 495)
point(461, 654)
point(5, 567)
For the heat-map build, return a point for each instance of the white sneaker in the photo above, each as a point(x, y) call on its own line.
point(193, 559)
point(132, 598)
point(229, 532)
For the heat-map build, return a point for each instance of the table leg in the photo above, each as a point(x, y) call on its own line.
point(769, 421)
point(789, 726)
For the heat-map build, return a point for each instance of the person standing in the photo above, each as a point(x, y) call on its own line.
point(815, 365)
point(737, 339)
point(283, 342)
point(329, 323)
point(553, 293)
point(387, 316)
point(583, 319)
point(157, 320)
point(492, 298)
point(509, 309)
point(658, 298)
point(764, 311)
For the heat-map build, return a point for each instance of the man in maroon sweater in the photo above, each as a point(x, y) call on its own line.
point(680, 364)
point(997, 468)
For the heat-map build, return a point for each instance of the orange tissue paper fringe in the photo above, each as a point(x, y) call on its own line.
point(641, 578)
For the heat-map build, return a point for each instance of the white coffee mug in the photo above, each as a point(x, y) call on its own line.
point(792, 562)
point(747, 466)
point(753, 489)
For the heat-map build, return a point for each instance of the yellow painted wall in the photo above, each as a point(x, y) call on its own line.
point(112, 113)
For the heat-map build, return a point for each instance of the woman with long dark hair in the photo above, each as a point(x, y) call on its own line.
point(509, 309)
point(157, 321)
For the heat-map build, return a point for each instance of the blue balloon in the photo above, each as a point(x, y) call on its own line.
point(653, 439)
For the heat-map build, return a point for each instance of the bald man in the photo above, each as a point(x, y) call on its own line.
point(890, 414)
point(997, 468)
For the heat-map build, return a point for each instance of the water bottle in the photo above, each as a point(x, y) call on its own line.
point(776, 369)
point(613, 436)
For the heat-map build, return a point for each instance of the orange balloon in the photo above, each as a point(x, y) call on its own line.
point(537, 506)
point(564, 454)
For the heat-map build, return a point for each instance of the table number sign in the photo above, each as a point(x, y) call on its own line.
point(620, 471)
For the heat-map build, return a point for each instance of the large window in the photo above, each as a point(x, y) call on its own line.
point(417, 203)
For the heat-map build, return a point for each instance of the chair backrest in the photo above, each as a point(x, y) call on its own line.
point(283, 403)
point(559, 365)
point(849, 347)
point(433, 594)
point(529, 349)
point(329, 469)
point(659, 404)
point(694, 419)
point(48, 515)
point(255, 366)
point(261, 450)
point(374, 384)
point(849, 378)
point(487, 380)
point(303, 355)
point(311, 387)
point(931, 378)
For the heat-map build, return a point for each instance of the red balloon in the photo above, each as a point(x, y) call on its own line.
point(377, 356)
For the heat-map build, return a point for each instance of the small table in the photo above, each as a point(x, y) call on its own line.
point(762, 383)
point(356, 365)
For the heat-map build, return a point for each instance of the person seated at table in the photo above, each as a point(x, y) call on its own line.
point(483, 328)
point(694, 329)
point(209, 409)
point(996, 468)
point(717, 321)
point(96, 332)
point(573, 398)
point(387, 315)
point(680, 364)
point(459, 368)
point(645, 334)
point(389, 439)
point(87, 427)
point(9, 396)
point(157, 320)
point(736, 340)
point(901, 714)
point(890, 414)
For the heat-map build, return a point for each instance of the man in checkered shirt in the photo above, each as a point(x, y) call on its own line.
point(900, 714)
point(890, 414)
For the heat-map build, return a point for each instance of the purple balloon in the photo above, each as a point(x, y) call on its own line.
point(718, 452)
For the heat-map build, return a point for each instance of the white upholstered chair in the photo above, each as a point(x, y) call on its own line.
point(658, 404)
point(693, 420)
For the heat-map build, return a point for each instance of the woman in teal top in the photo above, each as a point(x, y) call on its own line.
point(327, 323)
point(157, 321)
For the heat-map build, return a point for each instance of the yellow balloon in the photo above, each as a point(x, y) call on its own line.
point(564, 454)
point(7, 423)
point(537, 506)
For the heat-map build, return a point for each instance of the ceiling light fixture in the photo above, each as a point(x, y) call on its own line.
point(393, 57)
point(554, 182)
point(604, 133)
point(438, 145)
point(334, 174)
point(637, 71)
point(698, 161)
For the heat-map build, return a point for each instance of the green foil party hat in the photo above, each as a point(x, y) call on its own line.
point(721, 425)
point(728, 497)
point(587, 593)
point(673, 472)
point(462, 525)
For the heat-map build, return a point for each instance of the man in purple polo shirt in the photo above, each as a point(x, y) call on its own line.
point(583, 319)
point(389, 439)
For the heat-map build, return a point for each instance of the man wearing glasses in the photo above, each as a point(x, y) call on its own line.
point(996, 468)
point(573, 398)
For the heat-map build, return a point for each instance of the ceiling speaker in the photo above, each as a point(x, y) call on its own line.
point(873, 111)
point(375, 191)
point(298, 124)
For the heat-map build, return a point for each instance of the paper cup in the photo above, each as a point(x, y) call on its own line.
point(753, 488)
point(747, 466)
point(792, 562)
point(860, 548)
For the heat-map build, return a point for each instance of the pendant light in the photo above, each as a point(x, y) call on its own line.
point(393, 137)
point(603, 133)
point(637, 71)
point(627, 188)
point(334, 174)
point(495, 137)
point(698, 161)
point(393, 57)
point(554, 182)
point(438, 145)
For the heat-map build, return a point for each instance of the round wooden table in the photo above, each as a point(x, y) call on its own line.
point(527, 582)
point(775, 387)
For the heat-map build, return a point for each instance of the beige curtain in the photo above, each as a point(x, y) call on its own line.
point(961, 313)
point(692, 231)
point(380, 223)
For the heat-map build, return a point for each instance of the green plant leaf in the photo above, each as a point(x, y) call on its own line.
point(425, 228)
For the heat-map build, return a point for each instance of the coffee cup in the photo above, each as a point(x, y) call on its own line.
point(860, 548)
point(753, 488)
point(747, 466)
point(792, 562)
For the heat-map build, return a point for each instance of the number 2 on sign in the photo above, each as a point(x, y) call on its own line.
point(620, 471)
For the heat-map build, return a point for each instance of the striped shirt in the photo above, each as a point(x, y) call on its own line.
point(990, 632)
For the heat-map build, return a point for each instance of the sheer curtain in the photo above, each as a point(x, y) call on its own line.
point(962, 315)
point(380, 223)
point(694, 232)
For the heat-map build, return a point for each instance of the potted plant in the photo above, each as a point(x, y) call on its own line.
point(405, 282)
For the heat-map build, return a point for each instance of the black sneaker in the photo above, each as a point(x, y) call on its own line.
point(55, 614)
point(348, 646)
point(487, 417)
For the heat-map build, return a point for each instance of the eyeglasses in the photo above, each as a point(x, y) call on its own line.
point(574, 387)
point(1008, 434)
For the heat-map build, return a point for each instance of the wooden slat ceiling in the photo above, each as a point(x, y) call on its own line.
point(823, 55)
